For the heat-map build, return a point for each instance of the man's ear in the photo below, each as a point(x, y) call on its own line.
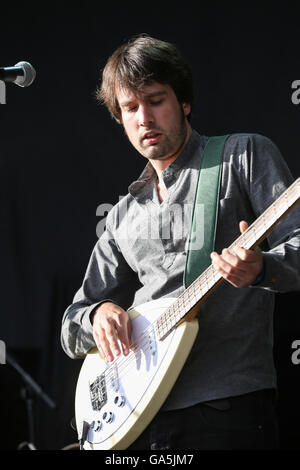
point(186, 108)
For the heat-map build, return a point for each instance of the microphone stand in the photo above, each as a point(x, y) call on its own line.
point(2, 92)
point(28, 395)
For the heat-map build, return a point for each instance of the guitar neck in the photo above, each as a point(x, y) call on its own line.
point(203, 286)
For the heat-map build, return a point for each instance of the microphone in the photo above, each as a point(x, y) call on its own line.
point(22, 74)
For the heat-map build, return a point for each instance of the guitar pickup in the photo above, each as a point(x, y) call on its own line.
point(98, 393)
point(152, 342)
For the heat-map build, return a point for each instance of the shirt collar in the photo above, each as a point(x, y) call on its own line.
point(142, 188)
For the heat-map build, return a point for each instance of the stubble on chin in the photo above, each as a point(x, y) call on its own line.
point(166, 149)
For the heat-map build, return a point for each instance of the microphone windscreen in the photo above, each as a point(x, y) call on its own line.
point(29, 74)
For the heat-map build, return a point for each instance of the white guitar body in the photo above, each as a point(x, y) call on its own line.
point(112, 401)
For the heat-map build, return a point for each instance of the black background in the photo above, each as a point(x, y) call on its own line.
point(61, 156)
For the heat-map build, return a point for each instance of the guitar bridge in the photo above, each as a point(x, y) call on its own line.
point(98, 393)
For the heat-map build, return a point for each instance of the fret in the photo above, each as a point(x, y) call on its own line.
point(194, 288)
point(255, 233)
point(263, 217)
point(187, 304)
point(177, 317)
point(244, 240)
point(209, 278)
point(274, 210)
point(213, 274)
point(197, 287)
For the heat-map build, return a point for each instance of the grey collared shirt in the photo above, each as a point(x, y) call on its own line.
point(141, 256)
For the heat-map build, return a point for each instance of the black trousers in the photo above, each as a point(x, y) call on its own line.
point(243, 422)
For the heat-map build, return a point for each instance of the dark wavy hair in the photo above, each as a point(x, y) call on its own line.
point(137, 63)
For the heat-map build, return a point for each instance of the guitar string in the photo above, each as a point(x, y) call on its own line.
point(128, 359)
point(124, 361)
point(259, 224)
point(211, 273)
point(168, 319)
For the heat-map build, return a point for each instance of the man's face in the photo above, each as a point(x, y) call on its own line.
point(154, 121)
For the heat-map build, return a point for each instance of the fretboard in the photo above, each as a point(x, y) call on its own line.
point(210, 278)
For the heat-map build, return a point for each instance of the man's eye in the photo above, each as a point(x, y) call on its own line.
point(156, 102)
point(132, 109)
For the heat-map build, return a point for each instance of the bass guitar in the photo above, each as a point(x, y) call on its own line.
point(116, 401)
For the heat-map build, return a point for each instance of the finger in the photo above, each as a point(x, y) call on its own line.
point(102, 345)
point(232, 259)
point(243, 225)
point(123, 328)
point(112, 336)
point(223, 266)
point(131, 343)
point(124, 341)
point(128, 345)
point(108, 340)
point(248, 256)
point(101, 352)
point(232, 278)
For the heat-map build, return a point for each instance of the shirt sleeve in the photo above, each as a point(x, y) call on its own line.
point(108, 278)
point(267, 176)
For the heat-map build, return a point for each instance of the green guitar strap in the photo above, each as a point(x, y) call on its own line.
point(205, 211)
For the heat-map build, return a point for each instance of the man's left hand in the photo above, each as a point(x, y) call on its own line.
point(240, 268)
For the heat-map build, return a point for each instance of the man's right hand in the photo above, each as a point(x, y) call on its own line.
point(110, 324)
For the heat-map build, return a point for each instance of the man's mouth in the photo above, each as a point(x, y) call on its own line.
point(151, 137)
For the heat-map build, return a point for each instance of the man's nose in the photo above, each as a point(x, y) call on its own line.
point(145, 116)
